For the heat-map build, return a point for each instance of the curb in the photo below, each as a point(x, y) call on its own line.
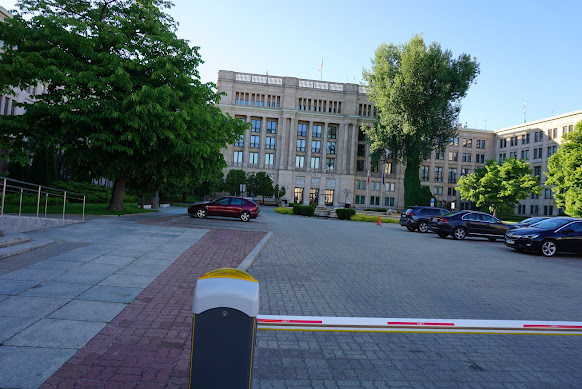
point(248, 261)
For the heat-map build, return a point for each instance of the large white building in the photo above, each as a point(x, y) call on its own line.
point(306, 135)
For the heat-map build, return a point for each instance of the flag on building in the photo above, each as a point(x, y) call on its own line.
point(320, 65)
point(382, 178)
point(368, 176)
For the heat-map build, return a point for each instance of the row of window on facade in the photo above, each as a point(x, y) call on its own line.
point(438, 173)
point(316, 130)
point(316, 146)
point(375, 186)
point(524, 154)
point(255, 142)
point(304, 104)
point(253, 159)
point(538, 136)
point(465, 157)
point(313, 196)
point(257, 100)
point(467, 142)
point(8, 108)
point(535, 210)
point(374, 200)
point(367, 110)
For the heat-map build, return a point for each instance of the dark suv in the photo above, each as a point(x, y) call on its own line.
point(418, 217)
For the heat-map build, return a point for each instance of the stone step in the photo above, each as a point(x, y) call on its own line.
point(19, 248)
point(13, 239)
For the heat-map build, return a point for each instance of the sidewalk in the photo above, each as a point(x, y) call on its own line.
point(116, 310)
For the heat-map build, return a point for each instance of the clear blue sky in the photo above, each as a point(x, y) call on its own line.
point(529, 51)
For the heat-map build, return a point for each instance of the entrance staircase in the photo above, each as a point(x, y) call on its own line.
point(14, 244)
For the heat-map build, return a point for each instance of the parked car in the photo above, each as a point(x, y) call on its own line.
point(229, 206)
point(560, 234)
point(418, 217)
point(469, 223)
point(528, 222)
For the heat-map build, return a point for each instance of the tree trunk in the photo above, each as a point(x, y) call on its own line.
point(142, 199)
point(116, 203)
point(412, 183)
point(184, 197)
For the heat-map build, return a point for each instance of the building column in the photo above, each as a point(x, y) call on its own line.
point(292, 128)
point(246, 144)
point(307, 189)
point(308, 145)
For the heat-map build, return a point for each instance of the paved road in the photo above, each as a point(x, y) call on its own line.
point(339, 268)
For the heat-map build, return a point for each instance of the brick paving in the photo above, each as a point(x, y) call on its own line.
point(148, 344)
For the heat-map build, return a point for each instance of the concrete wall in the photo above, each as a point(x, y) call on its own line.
point(25, 223)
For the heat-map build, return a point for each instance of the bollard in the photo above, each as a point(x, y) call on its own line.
point(225, 307)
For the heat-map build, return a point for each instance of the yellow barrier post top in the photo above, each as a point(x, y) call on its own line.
point(228, 273)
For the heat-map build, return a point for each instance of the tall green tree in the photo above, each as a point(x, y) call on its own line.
point(565, 172)
point(417, 91)
point(124, 97)
point(499, 185)
point(234, 179)
point(263, 185)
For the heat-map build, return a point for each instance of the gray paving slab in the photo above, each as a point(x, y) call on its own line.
point(76, 257)
point(114, 294)
point(3, 297)
point(27, 367)
point(126, 280)
point(145, 267)
point(98, 268)
point(13, 287)
point(54, 264)
point(95, 249)
point(56, 289)
point(31, 274)
point(54, 333)
point(82, 277)
point(84, 310)
point(10, 326)
point(114, 259)
point(31, 307)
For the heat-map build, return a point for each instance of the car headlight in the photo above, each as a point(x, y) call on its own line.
point(530, 236)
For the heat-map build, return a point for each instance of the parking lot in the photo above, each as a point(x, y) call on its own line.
point(340, 268)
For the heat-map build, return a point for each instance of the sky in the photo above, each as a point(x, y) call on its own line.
point(529, 51)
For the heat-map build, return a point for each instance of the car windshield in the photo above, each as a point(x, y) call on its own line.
point(533, 220)
point(550, 224)
point(452, 214)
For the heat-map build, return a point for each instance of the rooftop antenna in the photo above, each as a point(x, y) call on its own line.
point(524, 109)
point(485, 122)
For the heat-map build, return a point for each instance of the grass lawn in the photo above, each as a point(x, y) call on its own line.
point(77, 209)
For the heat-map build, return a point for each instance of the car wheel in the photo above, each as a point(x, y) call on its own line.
point(459, 233)
point(423, 227)
point(201, 213)
point(443, 235)
point(410, 228)
point(549, 248)
point(492, 239)
point(245, 216)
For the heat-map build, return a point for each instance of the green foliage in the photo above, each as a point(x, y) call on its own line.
point(284, 210)
point(262, 184)
point(345, 213)
point(417, 92)
point(43, 170)
point(304, 210)
point(565, 173)
point(279, 192)
point(372, 219)
point(376, 209)
point(499, 185)
point(234, 179)
point(124, 98)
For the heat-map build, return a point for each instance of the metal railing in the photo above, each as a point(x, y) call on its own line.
point(41, 192)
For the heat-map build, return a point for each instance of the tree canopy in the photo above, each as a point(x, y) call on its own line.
point(565, 172)
point(262, 184)
point(499, 185)
point(417, 92)
point(234, 179)
point(124, 99)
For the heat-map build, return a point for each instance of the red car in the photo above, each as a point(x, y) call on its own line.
point(229, 206)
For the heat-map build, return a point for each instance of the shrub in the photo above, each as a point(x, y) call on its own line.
point(284, 210)
point(304, 210)
point(345, 213)
point(372, 219)
point(376, 209)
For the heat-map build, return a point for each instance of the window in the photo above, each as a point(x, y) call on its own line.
point(316, 146)
point(360, 199)
point(317, 130)
point(331, 147)
point(6, 104)
point(300, 145)
point(438, 174)
point(255, 125)
point(253, 158)
point(298, 195)
point(361, 185)
point(523, 139)
point(467, 142)
point(361, 150)
point(374, 200)
point(480, 158)
point(271, 127)
point(330, 163)
point(465, 171)
point(454, 142)
point(315, 162)
point(390, 187)
point(452, 175)
point(270, 143)
point(375, 185)
point(389, 201)
point(424, 173)
point(453, 156)
point(552, 150)
point(331, 132)
point(438, 190)
point(451, 191)
point(301, 129)
point(238, 158)
point(502, 157)
point(269, 158)
point(480, 143)
point(299, 161)
point(439, 155)
point(527, 138)
point(570, 128)
point(388, 168)
point(538, 172)
point(466, 157)
point(329, 196)
point(360, 166)
point(255, 141)
point(240, 141)
point(525, 154)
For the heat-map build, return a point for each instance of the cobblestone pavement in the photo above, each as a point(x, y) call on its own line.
point(339, 268)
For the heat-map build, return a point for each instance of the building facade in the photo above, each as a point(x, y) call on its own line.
point(306, 135)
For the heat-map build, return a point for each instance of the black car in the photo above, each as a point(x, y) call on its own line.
point(469, 223)
point(418, 217)
point(529, 221)
point(560, 234)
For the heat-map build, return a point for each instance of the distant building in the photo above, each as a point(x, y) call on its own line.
point(306, 135)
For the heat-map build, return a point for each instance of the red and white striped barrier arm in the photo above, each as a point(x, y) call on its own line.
point(372, 324)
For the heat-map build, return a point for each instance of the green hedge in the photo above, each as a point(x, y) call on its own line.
point(373, 219)
point(304, 210)
point(284, 210)
point(376, 209)
point(345, 213)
